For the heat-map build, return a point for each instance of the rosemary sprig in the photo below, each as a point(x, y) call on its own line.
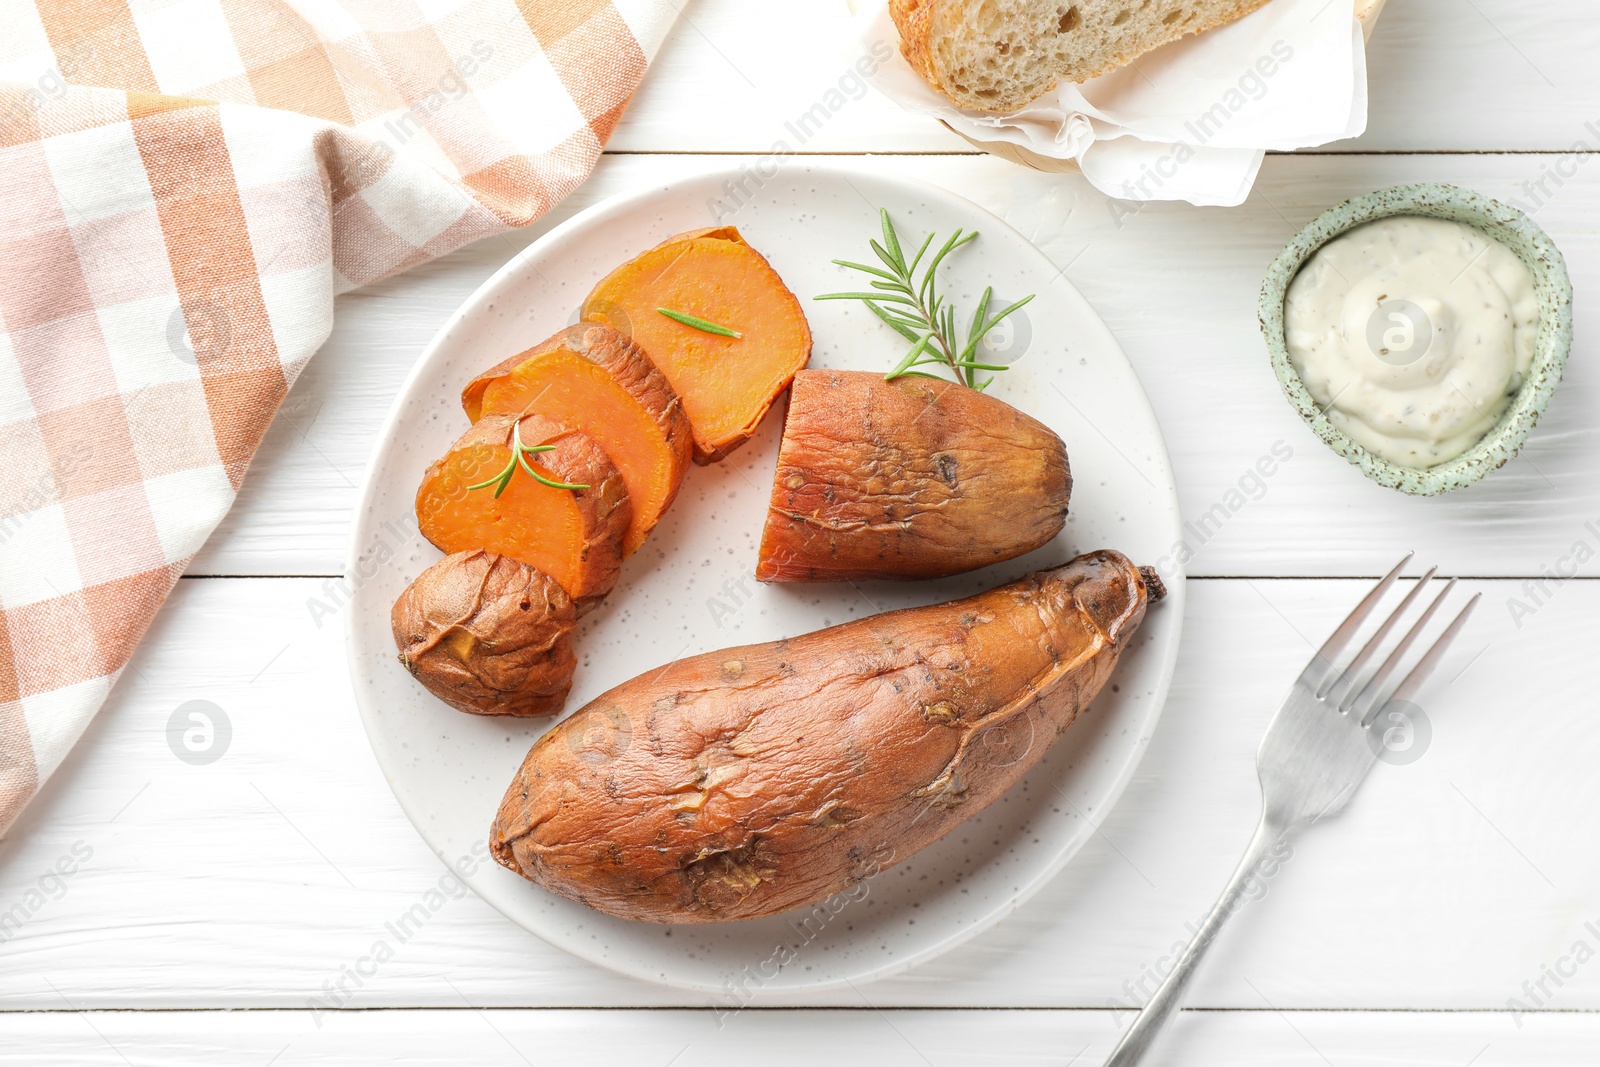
point(703, 325)
point(519, 454)
point(917, 311)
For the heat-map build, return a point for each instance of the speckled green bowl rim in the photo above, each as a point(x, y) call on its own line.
point(1500, 221)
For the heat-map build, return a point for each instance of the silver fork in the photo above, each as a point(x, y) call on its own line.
point(1317, 750)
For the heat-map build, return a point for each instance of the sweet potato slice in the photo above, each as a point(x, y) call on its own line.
point(488, 635)
point(573, 535)
point(595, 380)
point(744, 782)
point(727, 383)
point(910, 478)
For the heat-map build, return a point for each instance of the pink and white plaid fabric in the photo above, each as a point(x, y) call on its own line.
point(187, 185)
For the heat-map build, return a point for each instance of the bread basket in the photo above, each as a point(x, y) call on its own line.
point(1367, 12)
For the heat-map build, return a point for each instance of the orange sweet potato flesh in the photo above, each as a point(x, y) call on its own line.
point(910, 478)
point(753, 780)
point(727, 383)
point(574, 536)
point(593, 379)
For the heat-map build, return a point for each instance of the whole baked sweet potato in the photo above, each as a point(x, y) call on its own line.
point(909, 478)
point(488, 635)
point(757, 779)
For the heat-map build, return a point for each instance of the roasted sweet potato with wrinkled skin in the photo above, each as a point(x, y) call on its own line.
point(909, 478)
point(726, 383)
point(753, 780)
point(488, 635)
point(593, 379)
point(573, 535)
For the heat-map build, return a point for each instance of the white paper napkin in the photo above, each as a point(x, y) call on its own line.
point(1190, 121)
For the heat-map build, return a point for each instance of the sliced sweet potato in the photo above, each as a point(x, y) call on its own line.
point(593, 379)
point(910, 478)
point(573, 535)
point(488, 635)
point(727, 383)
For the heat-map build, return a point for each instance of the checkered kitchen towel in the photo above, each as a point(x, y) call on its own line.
point(184, 186)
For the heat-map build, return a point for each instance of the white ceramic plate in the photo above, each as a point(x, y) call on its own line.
point(689, 589)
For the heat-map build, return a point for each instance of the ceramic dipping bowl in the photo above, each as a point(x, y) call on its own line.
point(1500, 222)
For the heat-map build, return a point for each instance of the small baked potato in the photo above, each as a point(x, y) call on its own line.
point(488, 635)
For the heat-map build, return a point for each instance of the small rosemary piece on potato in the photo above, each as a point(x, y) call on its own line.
point(919, 313)
point(519, 454)
point(696, 322)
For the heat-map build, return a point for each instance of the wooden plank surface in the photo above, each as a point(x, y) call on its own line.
point(252, 881)
point(1177, 285)
point(1443, 75)
point(891, 1038)
point(1411, 930)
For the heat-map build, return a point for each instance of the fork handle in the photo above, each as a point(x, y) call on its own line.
point(1142, 1034)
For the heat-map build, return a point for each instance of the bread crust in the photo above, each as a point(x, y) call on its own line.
point(913, 18)
point(922, 23)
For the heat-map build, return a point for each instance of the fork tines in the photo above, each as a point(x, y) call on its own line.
point(1345, 686)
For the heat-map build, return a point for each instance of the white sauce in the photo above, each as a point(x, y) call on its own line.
point(1412, 334)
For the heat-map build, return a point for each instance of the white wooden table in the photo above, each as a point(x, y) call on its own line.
point(209, 904)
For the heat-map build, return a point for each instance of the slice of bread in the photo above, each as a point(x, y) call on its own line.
point(998, 55)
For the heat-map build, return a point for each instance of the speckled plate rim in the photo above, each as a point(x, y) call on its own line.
point(1160, 664)
point(1497, 220)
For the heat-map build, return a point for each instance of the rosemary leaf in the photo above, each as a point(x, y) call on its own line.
point(499, 481)
point(914, 308)
point(896, 265)
point(911, 357)
point(918, 257)
point(984, 328)
point(976, 332)
point(519, 452)
point(894, 298)
point(703, 325)
point(867, 269)
point(1013, 307)
point(522, 461)
point(904, 327)
point(891, 240)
